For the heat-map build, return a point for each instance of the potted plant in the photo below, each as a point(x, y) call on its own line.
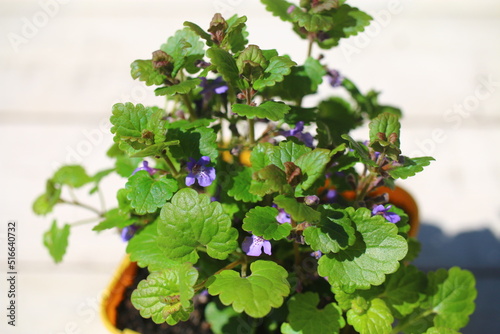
point(258, 212)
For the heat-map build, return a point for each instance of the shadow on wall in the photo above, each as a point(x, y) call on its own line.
point(477, 251)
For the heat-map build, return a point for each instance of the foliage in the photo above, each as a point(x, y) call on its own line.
point(287, 223)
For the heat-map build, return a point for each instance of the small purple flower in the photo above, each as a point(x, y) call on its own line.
point(390, 216)
point(331, 196)
point(254, 245)
point(290, 9)
point(305, 137)
point(198, 170)
point(128, 232)
point(335, 78)
point(145, 166)
point(283, 217)
point(211, 87)
point(316, 254)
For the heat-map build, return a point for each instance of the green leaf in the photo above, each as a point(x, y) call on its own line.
point(278, 67)
point(333, 233)
point(255, 294)
point(185, 47)
point(360, 151)
point(183, 87)
point(45, 202)
point(268, 180)
point(310, 21)
point(223, 319)
point(315, 71)
point(278, 8)
point(440, 330)
point(200, 32)
point(144, 71)
point(403, 290)
point(261, 221)
point(261, 155)
point(226, 66)
point(251, 54)
point(114, 218)
point(288, 151)
point(313, 165)
point(74, 176)
point(451, 297)
point(165, 295)
point(190, 220)
point(298, 211)
point(137, 126)
point(236, 34)
point(304, 316)
point(56, 241)
point(370, 316)
point(240, 189)
point(145, 250)
point(194, 143)
point(410, 167)
point(376, 253)
point(385, 124)
point(154, 150)
point(274, 111)
point(339, 117)
point(148, 194)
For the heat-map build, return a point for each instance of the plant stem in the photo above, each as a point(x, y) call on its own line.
point(187, 102)
point(85, 221)
point(170, 164)
point(82, 205)
point(251, 131)
point(310, 37)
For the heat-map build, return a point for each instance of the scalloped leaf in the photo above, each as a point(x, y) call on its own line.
point(370, 316)
point(333, 233)
point(183, 87)
point(278, 8)
point(256, 294)
point(376, 253)
point(304, 316)
point(410, 167)
point(268, 180)
point(240, 189)
point(145, 250)
point(165, 296)
point(261, 155)
point(226, 66)
point(403, 290)
point(288, 150)
point(74, 176)
point(261, 221)
point(143, 70)
point(278, 67)
point(194, 142)
point(56, 241)
point(148, 194)
point(451, 297)
point(185, 47)
point(298, 211)
point(274, 111)
point(313, 165)
point(191, 220)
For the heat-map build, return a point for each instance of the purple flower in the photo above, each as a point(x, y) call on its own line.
point(306, 137)
point(283, 217)
point(290, 9)
point(254, 245)
point(128, 232)
point(145, 166)
point(198, 170)
point(211, 87)
point(316, 254)
point(335, 78)
point(390, 216)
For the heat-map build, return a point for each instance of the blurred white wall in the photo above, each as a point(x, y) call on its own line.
point(64, 63)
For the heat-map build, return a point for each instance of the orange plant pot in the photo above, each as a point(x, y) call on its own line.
point(123, 277)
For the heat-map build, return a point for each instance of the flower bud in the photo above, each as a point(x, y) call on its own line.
point(311, 200)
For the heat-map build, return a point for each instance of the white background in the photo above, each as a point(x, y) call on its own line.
point(63, 64)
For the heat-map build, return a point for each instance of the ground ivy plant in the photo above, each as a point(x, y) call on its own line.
point(239, 191)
